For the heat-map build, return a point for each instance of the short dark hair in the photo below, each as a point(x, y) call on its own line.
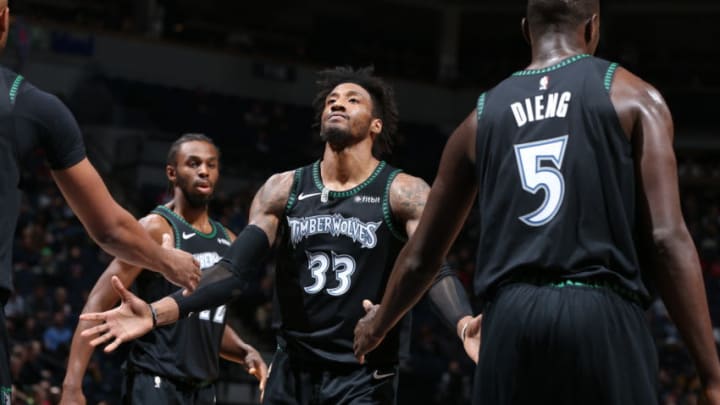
point(189, 137)
point(559, 14)
point(382, 94)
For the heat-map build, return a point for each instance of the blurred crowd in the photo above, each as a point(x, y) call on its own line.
point(56, 264)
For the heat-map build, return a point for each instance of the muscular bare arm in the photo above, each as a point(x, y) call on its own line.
point(101, 298)
point(408, 196)
point(670, 251)
point(448, 204)
point(116, 231)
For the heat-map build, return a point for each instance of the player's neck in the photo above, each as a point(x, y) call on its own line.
point(195, 216)
point(347, 168)
point(551, 48)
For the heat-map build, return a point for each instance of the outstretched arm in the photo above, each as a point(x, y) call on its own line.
point(101, 298)
point(448, 204)
point(116, 231)
point(669, 246)
point(220, 283)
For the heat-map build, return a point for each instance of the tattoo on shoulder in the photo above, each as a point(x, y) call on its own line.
point(408, 196)
point(273, 195)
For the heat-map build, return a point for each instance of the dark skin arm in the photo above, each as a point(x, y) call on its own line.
point(116, 231)
point(648, 124)
point(233, 348)
point(101, 298)
point(668, 248)
point(417, 265)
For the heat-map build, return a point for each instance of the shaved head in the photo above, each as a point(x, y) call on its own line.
point(559, 15)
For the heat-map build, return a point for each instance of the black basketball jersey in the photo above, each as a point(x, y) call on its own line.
point(189, 348)
point(337, 248)
point(29, 117)
point(556, 179)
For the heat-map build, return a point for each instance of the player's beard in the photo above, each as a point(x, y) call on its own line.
point(194, 200)
point(338, 138)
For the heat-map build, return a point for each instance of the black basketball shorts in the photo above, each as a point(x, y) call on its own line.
point(565, 345)
point(298, 383)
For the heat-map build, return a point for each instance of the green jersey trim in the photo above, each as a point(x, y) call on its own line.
point(209, 235)
point(387, 214)
point(164, 214)
point(609, 75)
point(480, 105)
point(292, 198)
point(14, 88)
point(352, 191)
point(562, 63)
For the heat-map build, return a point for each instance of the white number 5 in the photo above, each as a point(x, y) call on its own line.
point(535, 177)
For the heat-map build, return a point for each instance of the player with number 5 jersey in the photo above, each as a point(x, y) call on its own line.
point(555, 201)
point(572, 164)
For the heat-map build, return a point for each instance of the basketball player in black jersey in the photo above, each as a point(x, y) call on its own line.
point(574, 170)
point(31, 118)
point(338, 225)
point(177, 363)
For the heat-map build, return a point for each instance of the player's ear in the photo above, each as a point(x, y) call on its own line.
point(376, 126)
point(592, 32)
point(525, 27)
point(171, 173)
point(4, 19)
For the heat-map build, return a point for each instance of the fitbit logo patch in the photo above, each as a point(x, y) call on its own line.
point(366, 199)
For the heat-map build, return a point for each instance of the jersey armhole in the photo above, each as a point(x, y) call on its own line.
point(223, 229)
point(387, 214)
point(480, 105)
point(609, 75)
point(292, 199)
point(160, 210)
point(12, 94)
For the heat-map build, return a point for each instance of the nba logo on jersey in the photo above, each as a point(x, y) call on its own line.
point(544, 81)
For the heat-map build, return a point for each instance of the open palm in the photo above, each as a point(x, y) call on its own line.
point(126, 322)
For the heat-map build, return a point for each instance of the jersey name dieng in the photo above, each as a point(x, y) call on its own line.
point(541, 107)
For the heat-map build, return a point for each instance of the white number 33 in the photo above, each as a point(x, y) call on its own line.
point(535, 176)
point(319, 263)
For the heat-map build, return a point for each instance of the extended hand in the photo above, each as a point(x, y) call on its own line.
point(257, 367)
point(365, 340)
point(710, 395)
point(471, 339)
point(183, 270)
point(130, 320)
